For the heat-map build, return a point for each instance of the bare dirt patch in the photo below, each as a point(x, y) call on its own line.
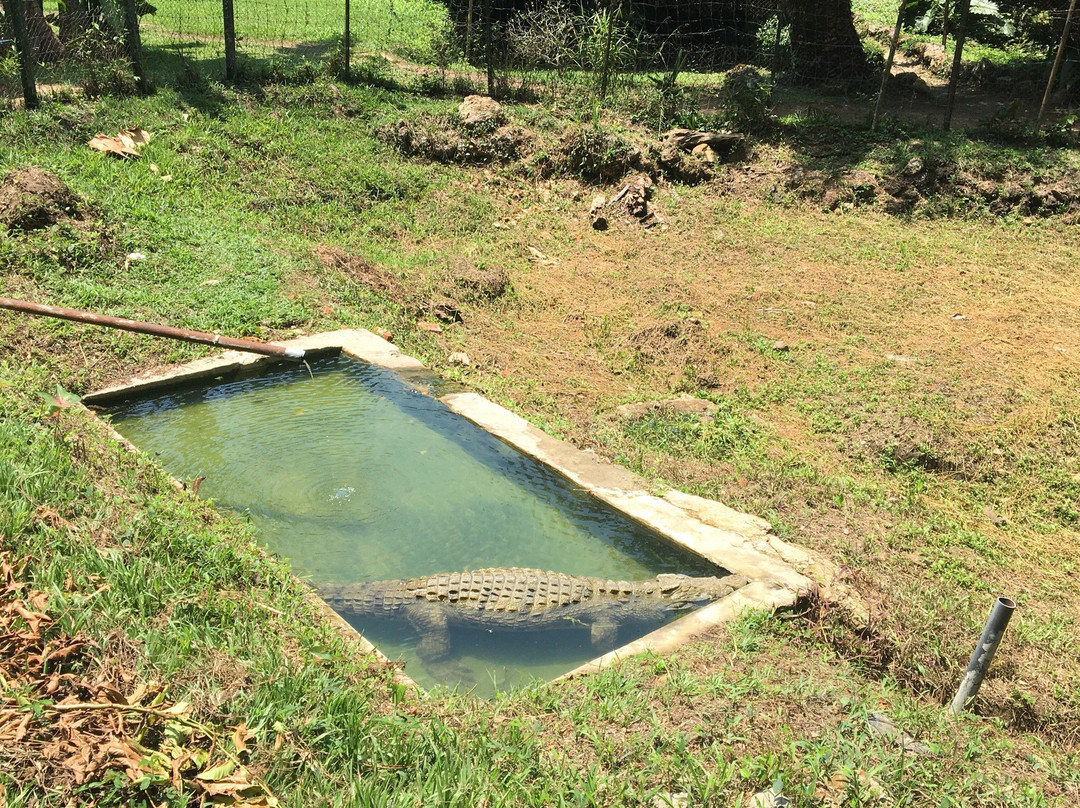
point(362, 272)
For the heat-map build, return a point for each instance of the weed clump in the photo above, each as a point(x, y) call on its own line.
point(594, 155)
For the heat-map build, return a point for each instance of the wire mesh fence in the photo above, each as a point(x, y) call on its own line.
point(543, 46)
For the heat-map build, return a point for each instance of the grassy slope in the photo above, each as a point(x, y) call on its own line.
point(883, 465)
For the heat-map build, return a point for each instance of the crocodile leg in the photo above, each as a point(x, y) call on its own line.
point(429, 620)
point(603, 634)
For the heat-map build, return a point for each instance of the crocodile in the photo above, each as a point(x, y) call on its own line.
point(523, 599)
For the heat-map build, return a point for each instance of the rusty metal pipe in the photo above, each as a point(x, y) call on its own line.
point(152, 329)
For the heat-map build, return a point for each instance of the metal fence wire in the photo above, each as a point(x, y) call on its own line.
point(503, 43)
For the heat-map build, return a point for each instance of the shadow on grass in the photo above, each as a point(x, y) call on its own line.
point(194, 68)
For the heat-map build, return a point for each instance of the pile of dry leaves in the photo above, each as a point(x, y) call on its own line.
point(64, 727)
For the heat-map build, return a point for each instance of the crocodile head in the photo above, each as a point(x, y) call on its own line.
point(686, 589)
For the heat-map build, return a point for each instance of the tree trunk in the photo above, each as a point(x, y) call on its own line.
point(825, 48)
point(44, 45)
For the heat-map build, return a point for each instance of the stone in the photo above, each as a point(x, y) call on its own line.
point(703, 151)
point(459, 358)
point(781, 346)
point(677, 799)
point(596, 212)
point(881, 724)
point(480, 110)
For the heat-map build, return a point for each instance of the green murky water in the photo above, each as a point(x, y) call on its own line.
point(356, 474)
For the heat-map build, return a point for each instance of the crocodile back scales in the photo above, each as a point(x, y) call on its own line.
point(518, 596)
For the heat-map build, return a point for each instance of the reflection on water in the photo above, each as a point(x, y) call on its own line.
point(355, 475)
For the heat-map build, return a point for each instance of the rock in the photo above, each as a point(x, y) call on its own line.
point(703, 151)
point(459, 358)
point(884, 726)
point(480, 110)
point(596, 212)
point(677, 799)
point(781, 346)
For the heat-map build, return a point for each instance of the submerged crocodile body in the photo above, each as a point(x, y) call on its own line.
point(523, 599)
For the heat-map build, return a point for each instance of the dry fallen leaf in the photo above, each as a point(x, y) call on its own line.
point(241, 735)
point(138, 135)
point(114, 145)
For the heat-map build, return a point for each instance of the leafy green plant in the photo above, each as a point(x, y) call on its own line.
point(989, 24)
point(745, 97)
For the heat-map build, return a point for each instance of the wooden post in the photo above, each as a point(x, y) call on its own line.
point(230, 39)
point(16, 12)
point(346, 44)
point(133, 45)
point(1057, 64)
point(489, 49)
point(468, 32)
point(945, 24)
point(954, 74)
point(888, 65)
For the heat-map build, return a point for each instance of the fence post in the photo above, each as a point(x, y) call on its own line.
point(133, 45)
point(954, 75)
point(489, 49)
point(468, 32)
point(16, 10)
point(346, 45)
point(888, 65)
point(1057, 64)
point(230, 39)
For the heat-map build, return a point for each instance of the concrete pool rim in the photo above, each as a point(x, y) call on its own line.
point(735, 541)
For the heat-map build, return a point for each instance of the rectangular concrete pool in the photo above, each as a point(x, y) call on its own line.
point(357, 472)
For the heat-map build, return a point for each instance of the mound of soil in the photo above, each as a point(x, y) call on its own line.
point(683, 345)
point(32, 199)
point(444, 141)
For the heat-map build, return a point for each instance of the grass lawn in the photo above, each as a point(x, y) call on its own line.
point(896, 391)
